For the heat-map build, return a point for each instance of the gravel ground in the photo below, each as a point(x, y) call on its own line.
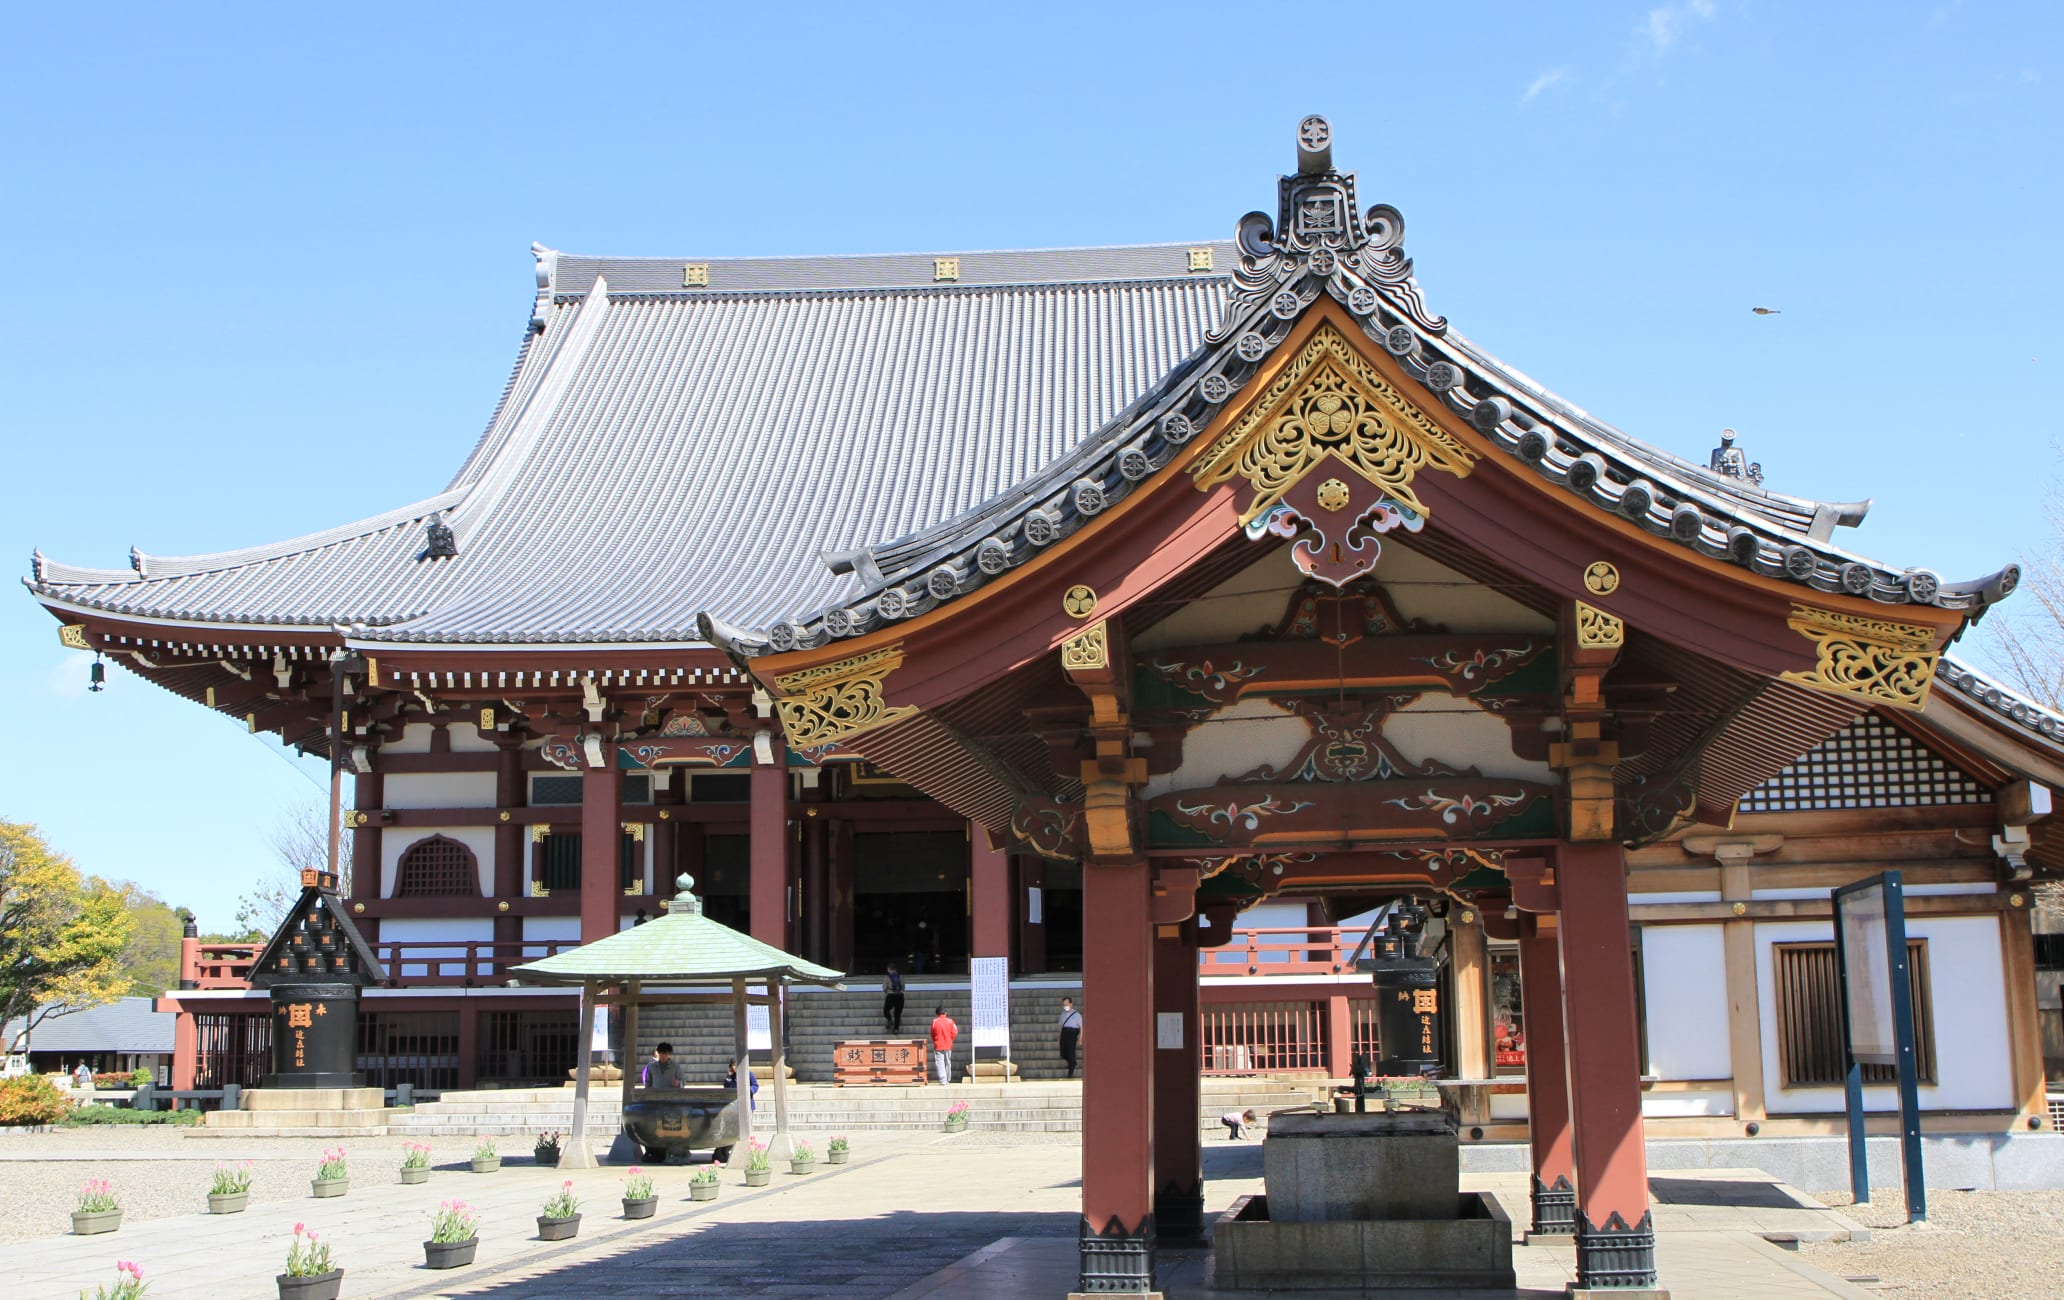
point(1981, 1245)
point(158, 1172)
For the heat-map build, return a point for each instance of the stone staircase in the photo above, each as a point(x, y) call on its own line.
point(822, 1018)
point(1028, 1107)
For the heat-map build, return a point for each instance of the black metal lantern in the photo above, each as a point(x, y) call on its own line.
point(96, 676)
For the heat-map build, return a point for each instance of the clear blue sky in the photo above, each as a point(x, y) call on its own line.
point(271, 262)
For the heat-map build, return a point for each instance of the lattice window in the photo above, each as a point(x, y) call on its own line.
point(562, 860)
point(437, 868)
point(1868, 764)
point(1809, 1016)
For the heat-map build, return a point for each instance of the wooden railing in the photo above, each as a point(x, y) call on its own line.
point(1301, 952)
point(420, 963)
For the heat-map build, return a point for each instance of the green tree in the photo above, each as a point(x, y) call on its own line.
point(61, 934)
point(150, 960)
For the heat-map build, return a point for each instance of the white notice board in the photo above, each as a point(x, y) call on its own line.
point(991, 986)
point(759, 1034)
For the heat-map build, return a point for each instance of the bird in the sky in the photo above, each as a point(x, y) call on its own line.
point(1767, 311)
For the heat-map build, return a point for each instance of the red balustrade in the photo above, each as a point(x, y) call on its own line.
point(1296, 952)
point(419, 963)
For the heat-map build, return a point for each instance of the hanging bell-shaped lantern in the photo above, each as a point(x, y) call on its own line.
point(96, 676)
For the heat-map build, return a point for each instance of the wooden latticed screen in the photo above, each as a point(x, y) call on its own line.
point(420, 1048)
point(231, 1049)
point(527, 1046)
point(1255, 1037)
point(1869, 764)
point(438, 867)
point(1809, 1016)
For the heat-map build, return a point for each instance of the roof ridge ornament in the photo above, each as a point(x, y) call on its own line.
point(1729, 461)
point(684, 902)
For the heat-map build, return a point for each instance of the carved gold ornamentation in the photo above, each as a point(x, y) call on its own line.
point(1200, 259)
point(487, 720)
point(1089, 648)
point(73, 636)
point(695, 275)
point(1332, 494)
point(1331, 404)
point(505, 816)
point(636, 830)
point(1079, 601)
point(1871, 658)
point(1601, 578)
point(945, 268)
point(1598, 630)
point(538, 890)
point(210, 697)
point(836, 700)
point(540, 832)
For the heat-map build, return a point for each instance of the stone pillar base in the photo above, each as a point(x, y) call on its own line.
point(1115, 1261)
point(1615, 1259)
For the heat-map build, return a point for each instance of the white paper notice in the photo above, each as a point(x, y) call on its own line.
point(990, 977)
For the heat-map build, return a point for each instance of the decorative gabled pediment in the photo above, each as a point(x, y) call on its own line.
point(317, 943)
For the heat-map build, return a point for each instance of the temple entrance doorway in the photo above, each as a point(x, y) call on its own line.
point(1061, 913)
point(910, 901)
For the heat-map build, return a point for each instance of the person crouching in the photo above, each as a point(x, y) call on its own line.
point(1236, 1122)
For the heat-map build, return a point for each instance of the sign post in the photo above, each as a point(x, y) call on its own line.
point(989, 981)
point(1877, 1024)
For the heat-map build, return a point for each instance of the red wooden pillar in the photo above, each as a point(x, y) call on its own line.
point(840, 867)
point(1615, 1233)
point(989, 893)
point(767, 893)
point(1117, 1229)
point(469, 1043)
point(1178, 1146)
point(510, 859)
point(368, 795)
point(666, 854)
point(815, 873)
point(1031, 874)
point(186, 1049)
point(1548, 1116)
point(601, 897)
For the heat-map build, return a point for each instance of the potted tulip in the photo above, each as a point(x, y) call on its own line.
point(838, 1151)
point(128, 1283)
point(97, 1211)
point(415, 1162)
point(802, 1159)
point(702, 1184)
point(454, 1236)
point(638, 1200)
point(957, 1117)
point(757, 1168)
point(547, 1148)
point(311, 1273)
point(559, 1216)
point(332, 1176)
point(231, 1190)
point(485, 1158)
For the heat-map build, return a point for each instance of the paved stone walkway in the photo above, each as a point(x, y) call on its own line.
point(915, 1215)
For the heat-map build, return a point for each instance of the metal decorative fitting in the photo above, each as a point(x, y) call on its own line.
point(1079, 601)
point(1601, 578)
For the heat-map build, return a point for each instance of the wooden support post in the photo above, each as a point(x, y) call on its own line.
point(633, 1059)
point(510, 857)
point(368, 795)
point(2024, 1028)
point(1615, 1231)
point(579, 1154)
point(1554, 1189)
point(768, 887)
point(1339, 1036)
point(742, 1056)
point(841, 851)
point(989, 888)
point(1178, 1146)
point(1472, 1011)
point(601, 897)
point(1744, 1007)
point(777, 999)
point(469, 1044)
point(1116, 1233)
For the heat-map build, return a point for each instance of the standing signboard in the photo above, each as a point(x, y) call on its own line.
point(1877, 1023)
point(990, 988)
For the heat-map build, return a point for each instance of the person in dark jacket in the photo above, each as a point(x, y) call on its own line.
point(662, 1071)
point(892, 1000)
point(1071, 1033)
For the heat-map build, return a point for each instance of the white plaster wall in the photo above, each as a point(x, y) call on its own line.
point(440, 790)
point(466, 739)
point(565, 928)
point(1967, 984)
point(421, 962)
point(1235, 741)
point(1704, 1101)
point(1253, 598)
point(1461, 734)
point(1684, 973)
point(394, 841)
point(414, 739)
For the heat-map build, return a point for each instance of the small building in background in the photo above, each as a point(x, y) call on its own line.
point(121, 1037)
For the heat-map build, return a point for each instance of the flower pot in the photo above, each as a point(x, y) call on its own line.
point(486, 1166)
point(228, 1202)
point(449, 1254)
point(330, 1186)
point(320, 1286)
point(641, 1208)
point(550, 1229)
point(837, 1157)
point(702, 1191)
point(956, 1125)
point(87, 1225)
point(802, 1166)
point(413, 1176)
point(757, 1177)
point(547, 1155)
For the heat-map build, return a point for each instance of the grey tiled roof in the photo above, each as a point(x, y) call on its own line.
point(661, 451)
point(124, 1025)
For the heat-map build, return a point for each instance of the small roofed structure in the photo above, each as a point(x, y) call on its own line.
point(683, 947)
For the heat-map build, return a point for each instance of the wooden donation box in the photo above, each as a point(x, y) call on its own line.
point(880, 1061)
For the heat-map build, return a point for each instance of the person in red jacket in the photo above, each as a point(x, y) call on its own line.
point(944, 1031)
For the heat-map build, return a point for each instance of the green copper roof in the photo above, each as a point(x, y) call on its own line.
point(682, 947)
